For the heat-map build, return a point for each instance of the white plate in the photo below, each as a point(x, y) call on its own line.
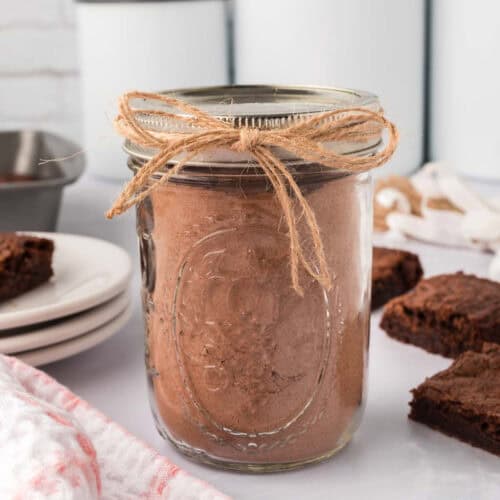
point(74, 346)
point(45, 334)
point(87, 272)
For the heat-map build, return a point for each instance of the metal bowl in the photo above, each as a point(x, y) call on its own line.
point(31, 190)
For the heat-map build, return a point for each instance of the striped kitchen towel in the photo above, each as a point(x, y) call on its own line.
point(54, 445)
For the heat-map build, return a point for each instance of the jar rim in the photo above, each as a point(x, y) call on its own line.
point(257, 106)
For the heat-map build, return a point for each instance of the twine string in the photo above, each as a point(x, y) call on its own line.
point(304, 140)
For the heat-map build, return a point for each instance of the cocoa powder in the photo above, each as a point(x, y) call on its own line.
point(242, 368)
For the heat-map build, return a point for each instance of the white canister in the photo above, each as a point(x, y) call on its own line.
point(377, 45)
point(146, 45)
point(465, 78)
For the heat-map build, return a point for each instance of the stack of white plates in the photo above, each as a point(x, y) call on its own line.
point(84, 303)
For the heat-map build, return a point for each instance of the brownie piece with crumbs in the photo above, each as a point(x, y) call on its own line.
point(25, 263)
point(464, 400)
point(394, 272)
point(447, 314)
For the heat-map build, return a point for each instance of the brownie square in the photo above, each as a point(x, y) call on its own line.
point(464, 400)
point(394, 272)
point(25, 263)
point(447, 314)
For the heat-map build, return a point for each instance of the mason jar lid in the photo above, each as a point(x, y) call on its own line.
point(256, 106)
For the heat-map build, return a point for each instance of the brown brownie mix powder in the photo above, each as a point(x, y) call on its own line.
point(240, 365)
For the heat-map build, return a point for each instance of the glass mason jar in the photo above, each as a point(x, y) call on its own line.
point(245, 373)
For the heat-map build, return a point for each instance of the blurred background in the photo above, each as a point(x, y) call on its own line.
point(432, 62)
point(39, 71)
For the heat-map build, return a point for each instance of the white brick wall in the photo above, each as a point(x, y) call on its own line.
point(39, 85)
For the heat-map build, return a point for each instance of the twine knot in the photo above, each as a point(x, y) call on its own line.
point(248, 140)
point(304, 139)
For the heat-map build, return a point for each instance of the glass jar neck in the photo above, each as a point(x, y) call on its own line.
point(237, 173)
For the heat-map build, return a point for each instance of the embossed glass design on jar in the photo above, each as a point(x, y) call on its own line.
point(245, 373)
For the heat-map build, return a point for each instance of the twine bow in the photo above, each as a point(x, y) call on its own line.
point(303, 139)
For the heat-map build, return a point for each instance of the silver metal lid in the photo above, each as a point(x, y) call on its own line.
point(259, 106)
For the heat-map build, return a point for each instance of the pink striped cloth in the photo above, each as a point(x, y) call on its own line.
point(54, 445)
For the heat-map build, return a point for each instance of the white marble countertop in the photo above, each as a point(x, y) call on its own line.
point(389, 458)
